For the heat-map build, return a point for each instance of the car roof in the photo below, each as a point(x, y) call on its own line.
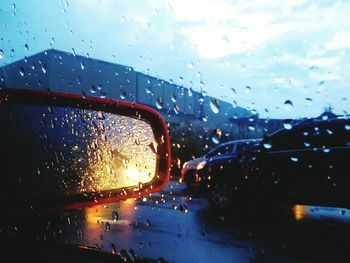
point(314, 122)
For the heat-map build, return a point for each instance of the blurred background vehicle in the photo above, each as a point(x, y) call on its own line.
point(219, 172)
point(306, 163)
point(189, 169)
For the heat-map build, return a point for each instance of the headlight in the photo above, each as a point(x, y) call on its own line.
point(201, 165)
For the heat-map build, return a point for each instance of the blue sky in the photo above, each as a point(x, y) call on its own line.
point(256, 54)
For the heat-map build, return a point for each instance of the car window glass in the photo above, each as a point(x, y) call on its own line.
point(217, 71)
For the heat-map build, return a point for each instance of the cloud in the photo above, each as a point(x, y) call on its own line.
point(339, 40)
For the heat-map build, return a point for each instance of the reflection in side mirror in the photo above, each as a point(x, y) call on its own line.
point(62, 151)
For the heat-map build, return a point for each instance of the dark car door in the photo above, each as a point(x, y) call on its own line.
point(333, 179)
point(290, 165)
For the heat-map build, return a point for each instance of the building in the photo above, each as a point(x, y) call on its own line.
point(65, 72)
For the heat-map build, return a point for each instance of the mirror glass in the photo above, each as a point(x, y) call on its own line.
point(54, 151)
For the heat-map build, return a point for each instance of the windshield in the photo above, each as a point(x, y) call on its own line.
point(217, 71)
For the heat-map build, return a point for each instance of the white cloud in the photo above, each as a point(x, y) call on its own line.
point(339, 40)
point(216, 41)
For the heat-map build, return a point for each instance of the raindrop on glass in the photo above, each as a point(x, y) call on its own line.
point(308, 101)
point(107, 226)
point(115, 216)
point(288, 105)
point(159, 103)
point(234, 93)
point(183, 208)
point(177, 109)
point(173, 98)
point(82, 65)
point(190, 92)
point(267, 145)
point(294, 159)
point(22, 72)
point(123, 95)
point(114, 249)
point(248, 89)
point(26, 47)
point(93, 89)
point(190, 65)
point(43, 68)
point(287, 124)
point(215, 106)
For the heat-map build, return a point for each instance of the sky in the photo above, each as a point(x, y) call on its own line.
point(283, 59)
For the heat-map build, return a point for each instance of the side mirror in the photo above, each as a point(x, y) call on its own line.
point(68, 151)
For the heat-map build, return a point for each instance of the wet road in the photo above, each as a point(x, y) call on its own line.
point(176, 225)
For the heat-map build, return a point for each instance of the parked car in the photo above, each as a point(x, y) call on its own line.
point(305, 164)
point(189, 171)
point(218, 171)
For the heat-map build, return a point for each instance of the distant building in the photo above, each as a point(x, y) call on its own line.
point(65, 72)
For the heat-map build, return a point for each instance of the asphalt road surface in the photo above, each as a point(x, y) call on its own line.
point(177, 225)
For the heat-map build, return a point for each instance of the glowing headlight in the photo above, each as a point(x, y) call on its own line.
point(201, 165)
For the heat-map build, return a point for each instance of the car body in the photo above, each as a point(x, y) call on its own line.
point(220, 170)
point(304, 164)
point(189, 171)
point(307, 163)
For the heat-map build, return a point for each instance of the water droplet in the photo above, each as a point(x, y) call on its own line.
point(190, 65)
point(181, 79)
point(183, 208)
point(215, 106)
point(1, 54)
point(347, 127)
point(107, 226)
point(251, 127)
point(114, 249)
point(123, 95)
point(287, 124)
point(173, 98)
point(26, 47)
point(115, 216)
point(294, 159)
point(308, 101)
point(43, 68)
point(288, 105)
point(205, 118)
point(93, 89)
point(267, 145)
point(177, 109)
point(82, 65)
point(159, 103)
point(226, 39)
point(234, 93)
point(248, 89)
point(148, 90)
point(190, 92)
point(215, 139)
point(22, 72)
point(148, 223)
